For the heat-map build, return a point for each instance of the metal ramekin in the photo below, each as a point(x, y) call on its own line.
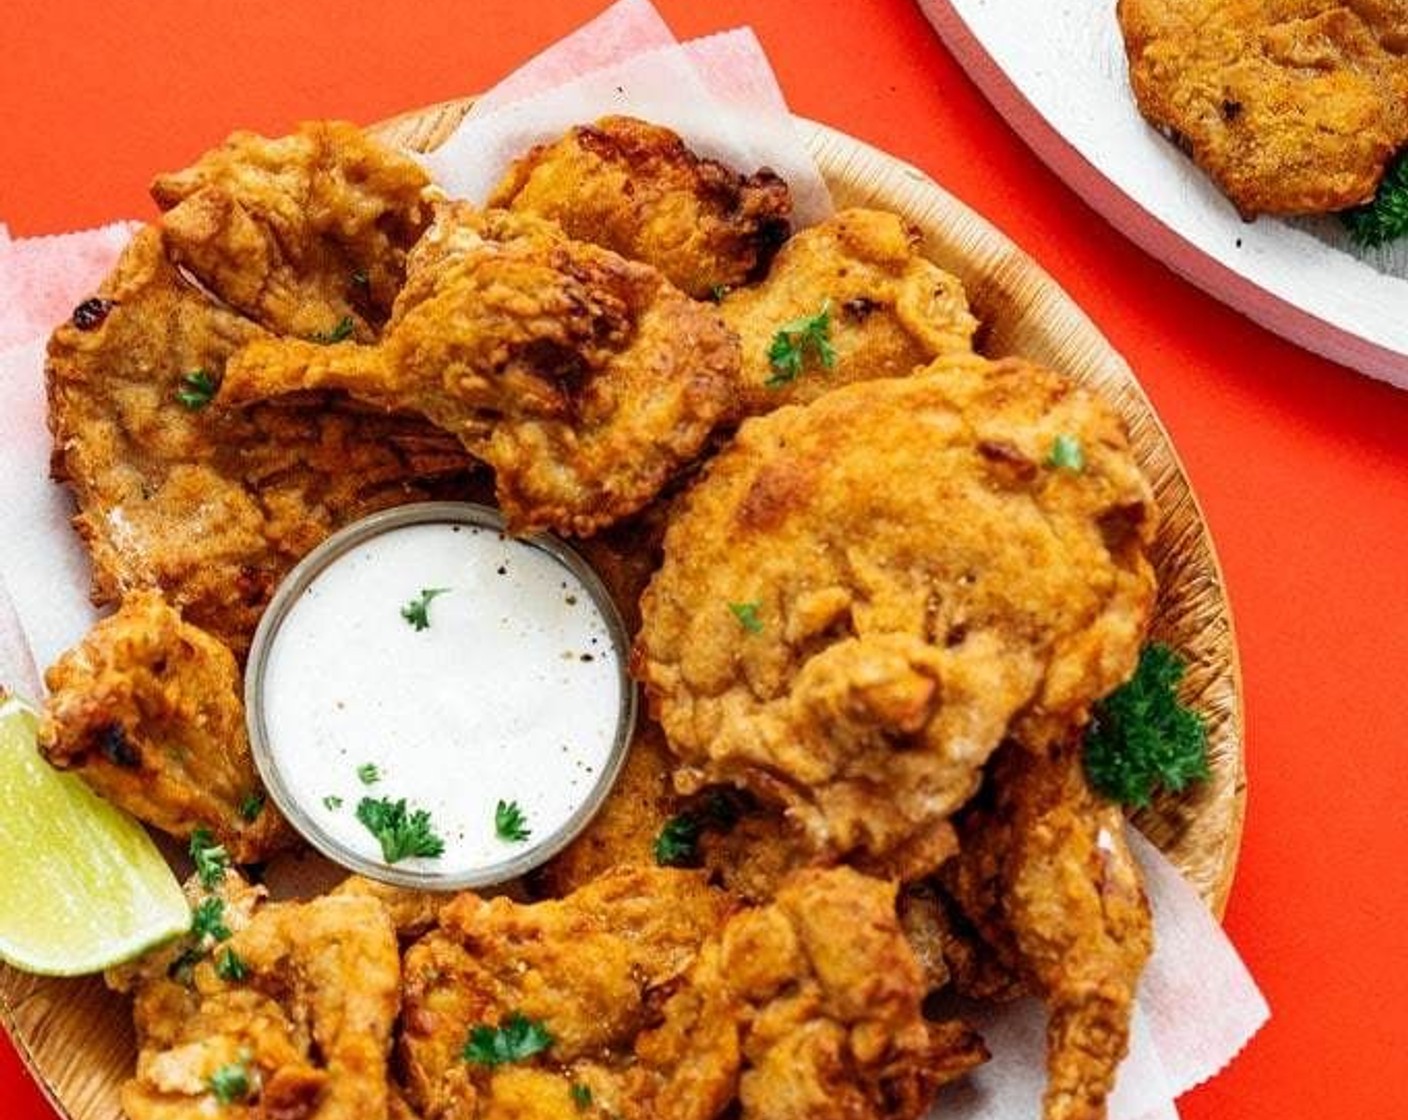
point(297, 581)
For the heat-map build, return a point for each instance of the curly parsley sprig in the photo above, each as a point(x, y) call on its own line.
point(1142, 738)
point(1385, 218)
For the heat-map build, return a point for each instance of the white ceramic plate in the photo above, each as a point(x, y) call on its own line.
point(1056, 71)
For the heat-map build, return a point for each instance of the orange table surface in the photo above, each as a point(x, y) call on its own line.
point(1301, 465)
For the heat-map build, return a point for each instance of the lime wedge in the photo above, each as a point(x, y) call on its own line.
point(82, 886)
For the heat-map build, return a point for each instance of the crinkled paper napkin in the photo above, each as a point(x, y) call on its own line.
point(1198, 1005)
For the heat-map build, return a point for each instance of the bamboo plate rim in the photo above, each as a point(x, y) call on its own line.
point(1023, 311)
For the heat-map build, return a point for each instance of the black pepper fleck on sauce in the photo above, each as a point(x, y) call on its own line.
point(586, 657)
point(89, 314)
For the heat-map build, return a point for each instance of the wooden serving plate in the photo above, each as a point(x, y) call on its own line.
point(76, 1036)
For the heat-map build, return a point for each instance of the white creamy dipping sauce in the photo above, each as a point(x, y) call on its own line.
point(515, 692)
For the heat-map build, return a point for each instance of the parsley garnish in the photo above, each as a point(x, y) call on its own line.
point(401, 834)
point(510, 823)
point(332, 802)
point(199, 389)
point(747, 615)
point(677, 845)
point(339, 333)
point(360, 278)
point(211, 859)
point(1066, 454)
point(229, 966)
point(368, 774)
point(416, 611)
point(230, 1083)
point(1141, 737)
point(678, 842)
point(581, 1095)
point(515, 1039)
point(790, 347)
point(208, 920)
point(1386, 217)
point(718, 291)
point(251, 806)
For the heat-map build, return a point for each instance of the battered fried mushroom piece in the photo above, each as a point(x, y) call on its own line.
point(583, 968)
point(1046, 876)
point(211, 509)
point(860, 598)
point(636, 189)
point(585, 380)
point(806, 1008)
point(148, 711)
point(1292, 106)
point(299, 1027)
point(299, 232)
point(889, 309)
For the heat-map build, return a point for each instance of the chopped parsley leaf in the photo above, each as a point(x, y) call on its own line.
point(368, 774)
point(230, 1083)
point(678, 842)
point(211, 859)
point(416, 612)
point(513, 1040)
point(198, 389)
point(1141, 737)
point(401, 834)
point(1066, 454)
point(339, 333)
point(251, 806)
point(229, 966)
point(510, 823)
point(208, 920)
point(581, 1095)
point(332, 802)
point(718, 291)
point(794, 342)
point(747, 615)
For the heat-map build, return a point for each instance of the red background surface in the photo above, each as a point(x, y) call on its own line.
point(1301, 466)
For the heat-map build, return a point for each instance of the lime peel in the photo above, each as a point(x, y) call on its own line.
point(83, 886)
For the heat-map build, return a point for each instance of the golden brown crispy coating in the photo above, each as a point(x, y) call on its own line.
point(1045, 874)
point(890, 309)
point(210, 508)
point(148, 711)
point(1292, 106)
point(745, 849)
point(949, 949)
point(860, 598)
point(586, 381)
point(636, 189)
point(804, 1009)
point(582, 966)
point(308, 1023)
point(301, 231)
